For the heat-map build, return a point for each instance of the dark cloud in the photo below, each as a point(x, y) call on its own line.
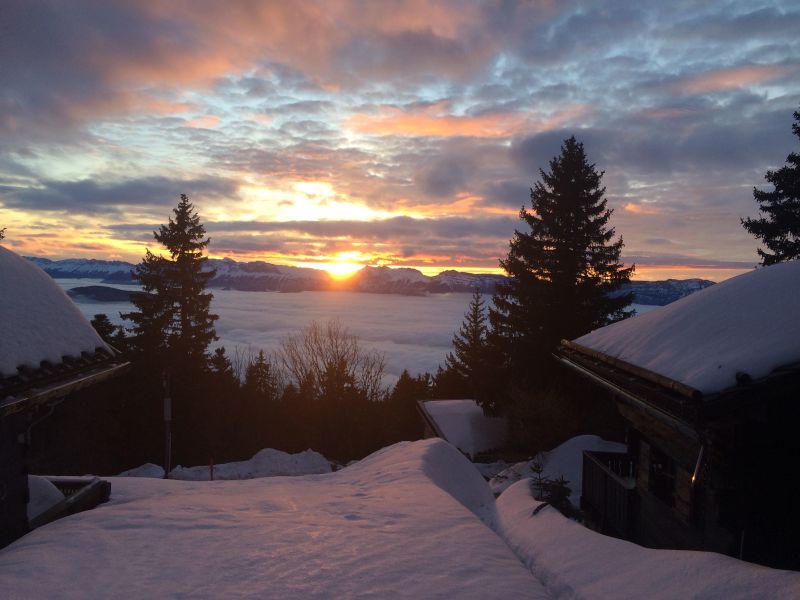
point(91, 197)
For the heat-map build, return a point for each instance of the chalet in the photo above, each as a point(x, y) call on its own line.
point(47, 351)
point(710, 389)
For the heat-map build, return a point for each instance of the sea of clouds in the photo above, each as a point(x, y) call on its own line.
point(413, 332)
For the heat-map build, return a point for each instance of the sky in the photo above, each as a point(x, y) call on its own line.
point(403, 133)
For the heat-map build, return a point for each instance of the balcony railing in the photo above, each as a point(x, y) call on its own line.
point(609, 492)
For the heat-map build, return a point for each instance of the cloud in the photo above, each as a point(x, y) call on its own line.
point(732, 78)
point(92, 197)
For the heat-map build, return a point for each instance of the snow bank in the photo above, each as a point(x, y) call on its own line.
point(43, 496)
point(265, 463)
point(749, 324)
point(466, 427)
point(145, 470)
point(393, 525)
point(564, 461)
point(575, 562)
point(38, 321)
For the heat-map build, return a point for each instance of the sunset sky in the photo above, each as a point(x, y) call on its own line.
point(407, 133)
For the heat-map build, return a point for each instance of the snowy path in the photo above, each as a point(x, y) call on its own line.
point(399, 524)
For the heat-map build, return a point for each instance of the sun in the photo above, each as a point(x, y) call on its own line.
point(342, 270)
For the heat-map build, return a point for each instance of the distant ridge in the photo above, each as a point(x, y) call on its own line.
point(260, 276)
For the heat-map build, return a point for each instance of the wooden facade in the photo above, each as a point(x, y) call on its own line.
point(716, 472)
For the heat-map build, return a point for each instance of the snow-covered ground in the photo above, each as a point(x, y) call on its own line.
point(464, 425)
point(747, 324)
point(415, 520)
point(409, 521)
point(266, 463)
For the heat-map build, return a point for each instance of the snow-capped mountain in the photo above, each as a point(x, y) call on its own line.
point(110, 271)
point(661, 293)
point(261, 276)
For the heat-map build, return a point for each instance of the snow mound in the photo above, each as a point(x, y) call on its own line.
point(564, 461)
point(464, 425)
point(575, 562)
point(38, 321)
point(43, 496)
point(748, 324)
point(265, 463)
point(145, 470)
point(381, 528)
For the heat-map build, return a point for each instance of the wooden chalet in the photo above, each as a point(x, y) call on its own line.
point(37, 319)
point(713, 469)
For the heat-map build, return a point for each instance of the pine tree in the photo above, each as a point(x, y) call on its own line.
point(2, 232)
point(173, 323)
point(260, 380)
point(561, 271)
point(779, 228)
point(469, 357)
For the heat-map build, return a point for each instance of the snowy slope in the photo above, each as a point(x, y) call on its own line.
point(402, 523)
point(748, 324)
point(38, 321)
point(575, 562)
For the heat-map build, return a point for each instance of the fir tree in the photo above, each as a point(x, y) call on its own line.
point(779, 228)
point(469, 357)
point(173, 322)
point(2, 232)
point(260, 380)
point(561, 271)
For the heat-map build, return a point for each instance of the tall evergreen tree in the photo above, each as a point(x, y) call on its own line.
point(779, 228)
point(470, 346)
point(260, 379)
point(561, 271)
point(173, 321)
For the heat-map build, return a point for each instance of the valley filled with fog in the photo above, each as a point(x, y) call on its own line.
point(414, 332)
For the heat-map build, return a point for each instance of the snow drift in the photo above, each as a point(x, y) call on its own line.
point(399, 524)
point(564, 461)
point(575, 562)
point(266, 463)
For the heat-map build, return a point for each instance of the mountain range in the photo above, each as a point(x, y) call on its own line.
point(261, 276)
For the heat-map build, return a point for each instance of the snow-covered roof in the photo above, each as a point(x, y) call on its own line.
point(38, 321)
point(464, 425)
point(748, 324)
point(410, 521)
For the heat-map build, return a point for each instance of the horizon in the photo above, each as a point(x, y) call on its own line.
point(708, 272)
point(407, 135)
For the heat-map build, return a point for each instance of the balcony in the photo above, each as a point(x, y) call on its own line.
point(609, 492)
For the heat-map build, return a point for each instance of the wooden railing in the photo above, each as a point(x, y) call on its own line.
point(609, 492)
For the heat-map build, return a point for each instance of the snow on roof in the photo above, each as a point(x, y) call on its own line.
point(748, 324)
point(38, 321)
point(409, 521)
point(464, 425)
point(576, 562)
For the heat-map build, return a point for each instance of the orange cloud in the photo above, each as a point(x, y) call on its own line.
point(433, 121)
point(732, 78)
point(204, 122)
point(641, 209)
